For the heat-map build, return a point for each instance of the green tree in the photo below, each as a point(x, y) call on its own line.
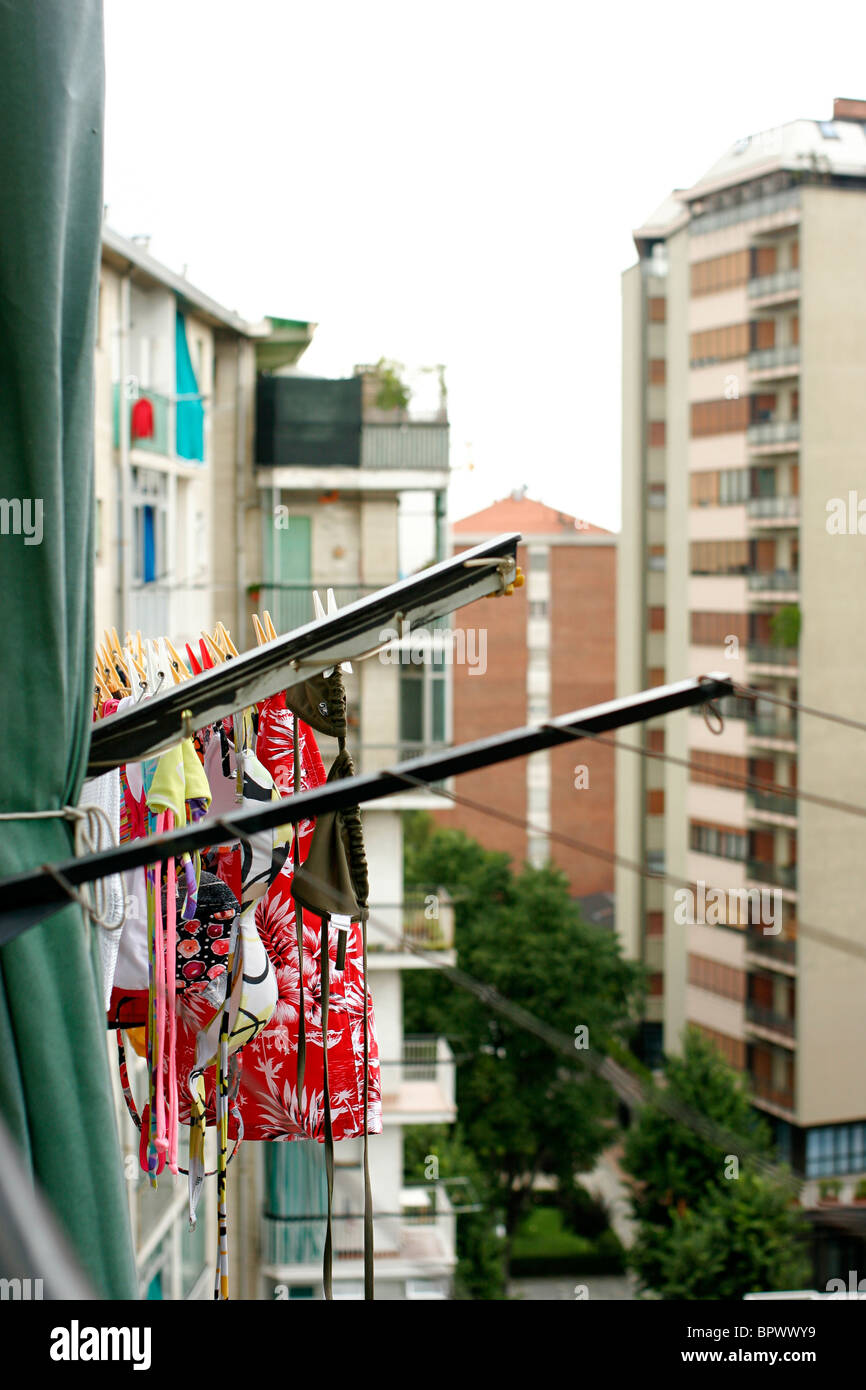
point(742, 1237)
point(690, 1206)
point(670, 1163)
point(524, 1109)
point(786, 625)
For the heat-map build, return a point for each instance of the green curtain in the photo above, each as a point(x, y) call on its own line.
point(54, 1081)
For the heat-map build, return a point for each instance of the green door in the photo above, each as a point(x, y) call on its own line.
point(287, 556)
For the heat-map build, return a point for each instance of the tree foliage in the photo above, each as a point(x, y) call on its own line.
point(524, 1109)
point(705, 1233)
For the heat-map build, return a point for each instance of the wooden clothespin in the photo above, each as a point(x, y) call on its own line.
point(226, 636)
point(320, 614)
point(214, 651)
point(177, 661)
point(102, 690)
point(113, 675)
point(269, 626)
point(261, 635)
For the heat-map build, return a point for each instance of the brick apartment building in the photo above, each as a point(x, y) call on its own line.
point(550, 648)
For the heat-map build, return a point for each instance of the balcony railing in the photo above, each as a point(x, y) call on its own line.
point(781, 875)
point(767, 206)
point(773, 508)
point(773, 581)
point(769, 726)
point(422, 1233)
point(764, 358)
point(424, 919)
point(419, 1084)
point(409, 445)
point(773, 432)
point(780, 1096)
point(763, 1017)
point(779, 948)
point(776, 805)
point(769, 654)
point(781, 282)
point(162, 439)
point(290, 604)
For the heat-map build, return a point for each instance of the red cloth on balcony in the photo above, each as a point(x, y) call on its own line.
point(141, 419)
point(268, 1098)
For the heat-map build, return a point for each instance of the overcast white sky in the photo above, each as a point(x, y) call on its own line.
point(455, 183)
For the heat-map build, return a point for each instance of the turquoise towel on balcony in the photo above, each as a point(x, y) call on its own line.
point(190, 412)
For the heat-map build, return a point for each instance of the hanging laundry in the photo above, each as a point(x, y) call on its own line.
point(141, 419)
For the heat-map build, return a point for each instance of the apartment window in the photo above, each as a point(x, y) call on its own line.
point(149, 525)
point(720, 417)
point(656, 985)
point(655, 924)
point(657, 620)
point(833, 1150)
point(764, 261)
point(732, 1049)
point(733, 486)
point(656, 496)
point(657, 371)
point(794, 255)
point(718, 769)
point(656, 434)
point(657, 308)
point(713, 629)
point(720, 273)
point(656, 675)
point(723, 842)
point(763, 407)
point(655, 861)
point(538, 608)
point(655, 802)
point(763, 333)
point(719, 557)
point(422, 705)
point(656, 557)
point(713, 345)
point(704, 489)
point(655, 741)
point(712, 975)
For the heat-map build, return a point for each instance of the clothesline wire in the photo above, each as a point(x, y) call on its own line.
point(736, 781)
point(752, 693)
point(630, 1088)
point(829, 938)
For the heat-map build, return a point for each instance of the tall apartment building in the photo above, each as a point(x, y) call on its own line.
point(175, 412)
point(237, 487)
point(550, 649)
point(744, 417)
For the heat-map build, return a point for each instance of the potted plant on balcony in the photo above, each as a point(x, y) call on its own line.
point(859, 1199)
point(254, 591)
point(785, 625)
point(828, 1191)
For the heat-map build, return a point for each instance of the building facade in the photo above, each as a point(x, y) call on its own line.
point(228, 483)
point(332, 467)
point(549, 650)
point(744, 407)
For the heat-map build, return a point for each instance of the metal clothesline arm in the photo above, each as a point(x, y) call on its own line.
point(28, 897)
point(160, 722)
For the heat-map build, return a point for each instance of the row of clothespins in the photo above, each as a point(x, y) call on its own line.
point(141, 665)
